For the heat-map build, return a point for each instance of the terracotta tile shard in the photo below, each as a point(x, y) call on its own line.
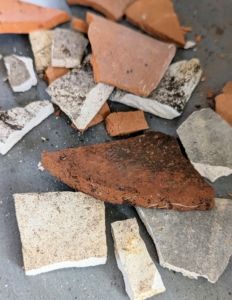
point(111, 172)
point(101, 115)
point(196, 244)
point(21, 74)
point(209, 144)
point(60, 230)
point(118, 63)
point(223, 107)
point(186, 29)
point(170, 98)
point(79, 97)
point(79, 25)
point(41, 43)
point(51, 73)
point(132, 259)
point(17, 122)
point(158, 18)
point(112, 9)
point(68, 48)
point(228, 88)
point(19, 17)
point(123, 123)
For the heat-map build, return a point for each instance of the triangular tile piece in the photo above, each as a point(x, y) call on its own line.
point(158, 18)
point(170, 98)
point(125, 58)
point(147, 170)
point(197, 244)
point(60, 230)
point(20, 17)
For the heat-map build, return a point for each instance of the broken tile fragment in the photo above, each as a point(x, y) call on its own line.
point(141, 277)
point(18, 17)
point(60, 230)
point(118, 63)
point(196, 244)
point(122, 123)
point(17, 122)
point(21, 74)
point(79, 25)
point(209, 145)
point(79, 97)
point(51, 73)
point(100, 116)
point(223, 106)
point(189, 45)
point(228, 88)
point(41, 43)
point(111, 172)
point(158, 18)
point(170, 98)
point(112, 9)
point(68, 48)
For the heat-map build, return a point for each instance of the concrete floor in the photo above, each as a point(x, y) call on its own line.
point(19, 173)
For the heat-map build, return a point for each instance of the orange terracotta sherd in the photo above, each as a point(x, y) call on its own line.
point(79, 25)
point(223, 106)
point(51, 74)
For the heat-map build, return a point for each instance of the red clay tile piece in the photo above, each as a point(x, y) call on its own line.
point(223, 106)
point(148, 170)
point(102, 114)
point(125, 58)
point(228, 88)
point(158, 18)
point(52, 73)
point(186, 29)
point(79, 25)
point(112, 9)
point(19, 17)
point(122, 123)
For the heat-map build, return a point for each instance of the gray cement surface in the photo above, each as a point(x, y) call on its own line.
point(19, 173)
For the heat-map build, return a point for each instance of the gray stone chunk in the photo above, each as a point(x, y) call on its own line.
point(197, 243)
point(60, 230)
point(68, 48)
point(141, 276)
point(41, 43)
point(18, 121)
point(79, 97)
point(21, 74)
point(169, 99)
point(207, 140)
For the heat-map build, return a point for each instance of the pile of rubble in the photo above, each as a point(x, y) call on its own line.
point(148, 171)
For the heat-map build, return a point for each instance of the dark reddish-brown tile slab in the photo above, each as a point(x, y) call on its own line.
point(147, 170)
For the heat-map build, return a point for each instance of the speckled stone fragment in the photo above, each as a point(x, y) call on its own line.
point(60, 230)
point(68, 48)
point(170, 98)
point(196, 244)
point(141, 277)
point(207, 140)
point(18, 121)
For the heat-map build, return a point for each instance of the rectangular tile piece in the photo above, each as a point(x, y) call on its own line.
point(60, 230)
point(141, 277)
point(209, 146)
point(196, 244)
point(17, 122)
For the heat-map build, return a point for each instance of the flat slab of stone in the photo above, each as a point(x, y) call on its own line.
point(111, 172)
point(19, 17)
point(21, 74)
point(60, 230)
point(170, 98)
point(158, 18)
point(196, 244)
point(131, 61)
point(68, 48)
point(209, 144)
point(141, 277)
point(113, 9)
point(17, 122)
point(41, 44)
point(123, 123)
point(79, 97)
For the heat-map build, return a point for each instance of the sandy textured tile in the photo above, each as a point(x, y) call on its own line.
point(209, 145)
point(21, 74)
point(60, 230)
point(197, 244)
point(18, 121)
point(141, 277)
point(170, 98)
